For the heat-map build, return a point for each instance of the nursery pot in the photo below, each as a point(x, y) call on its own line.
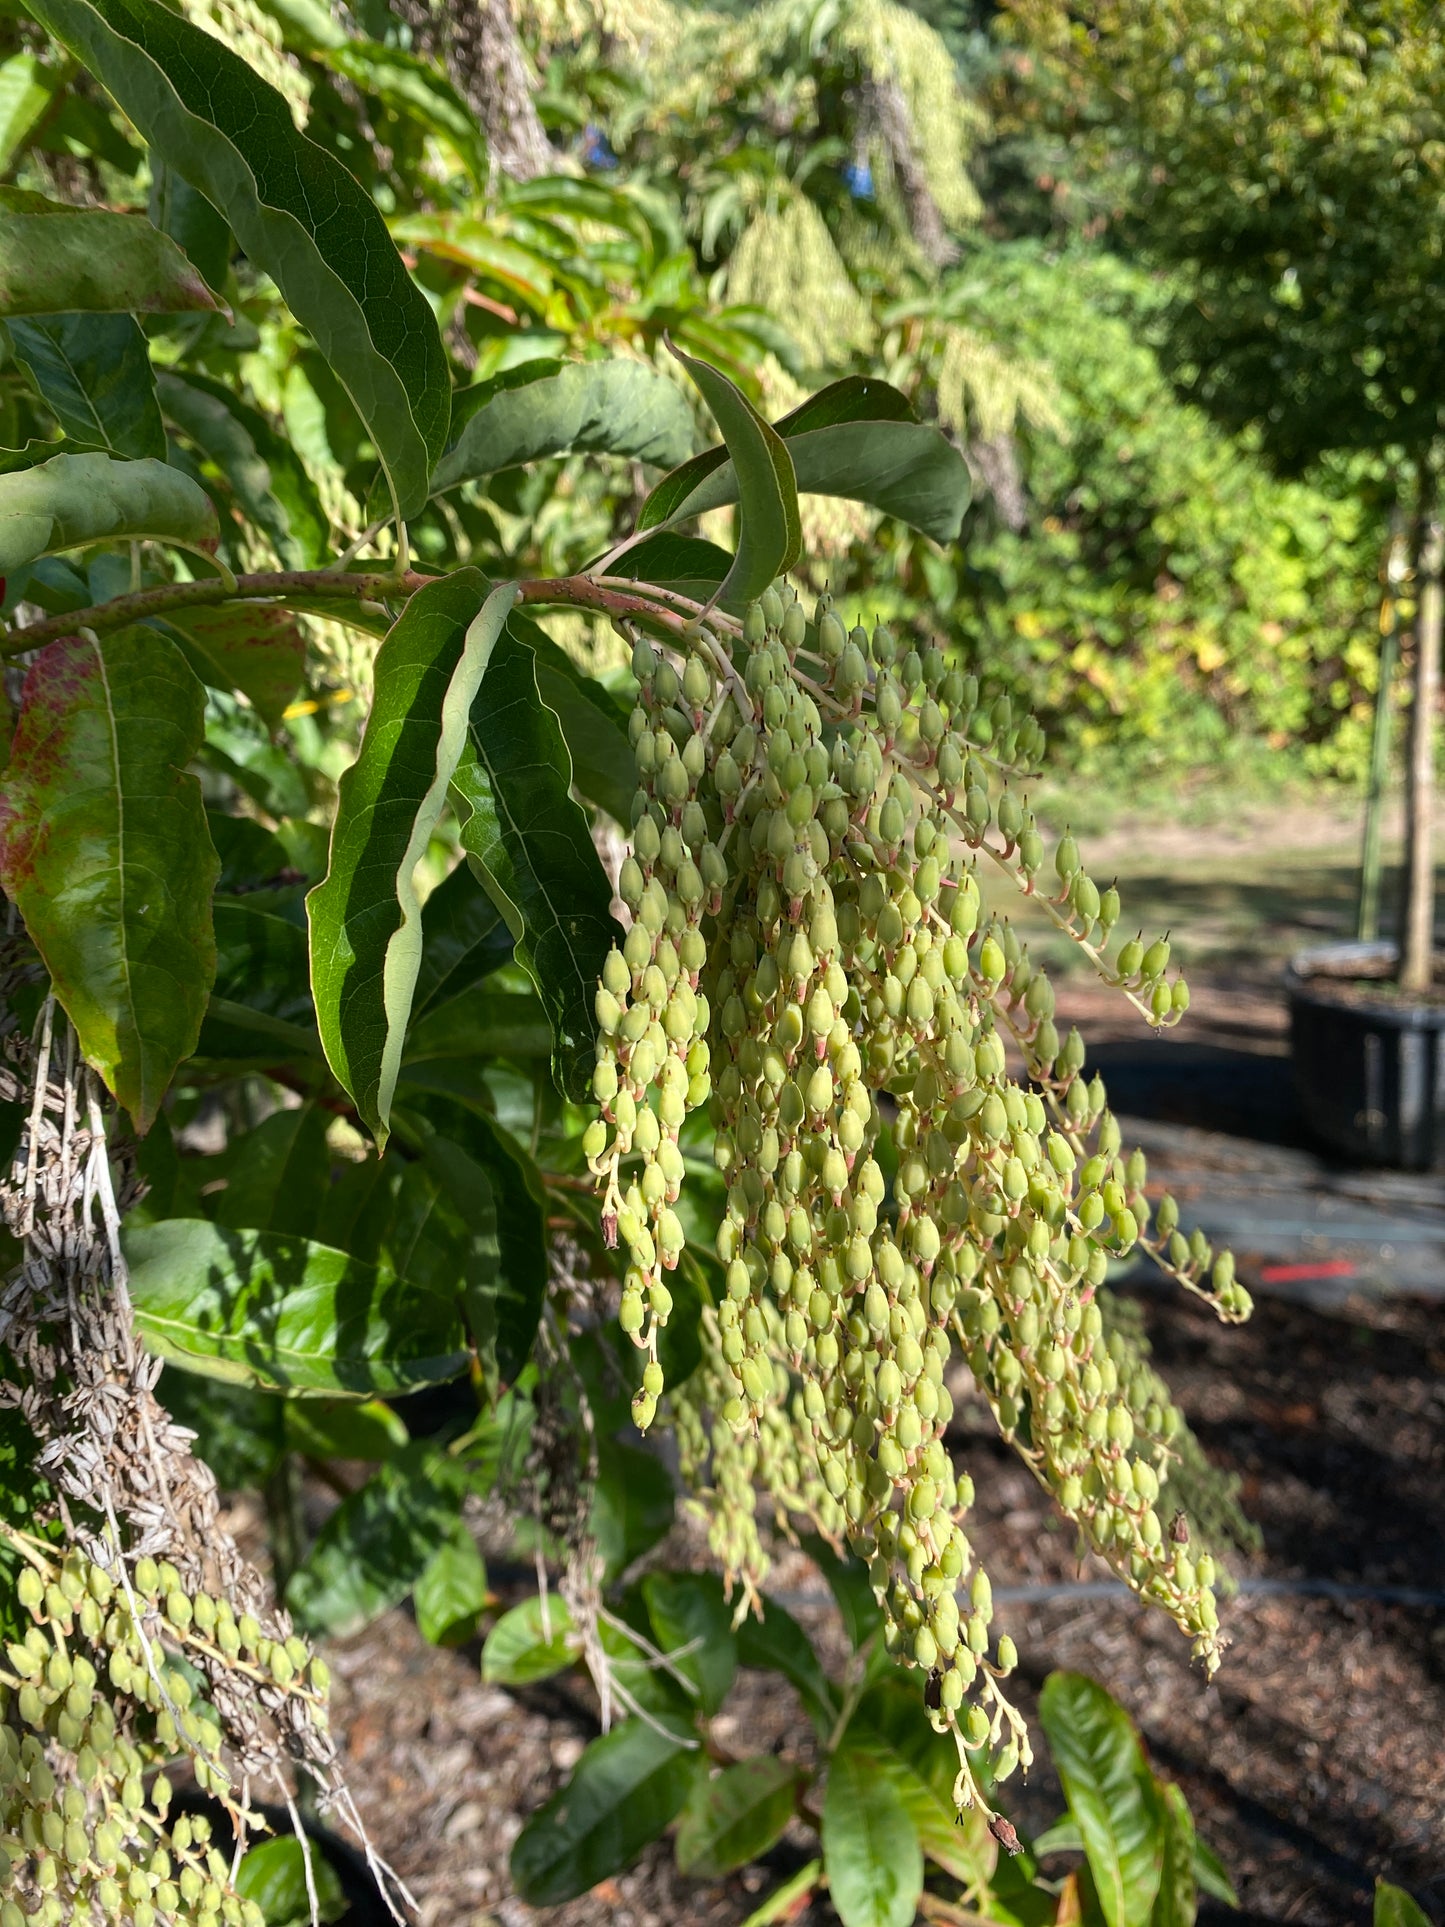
point(1369, 1066)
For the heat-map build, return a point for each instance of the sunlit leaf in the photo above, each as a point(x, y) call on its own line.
point(1110, 1793)
point(870, 1845)
point(74, 500)
point(61, 260)
point(105, 852)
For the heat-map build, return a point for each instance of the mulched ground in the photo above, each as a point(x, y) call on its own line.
point(1313, 1764)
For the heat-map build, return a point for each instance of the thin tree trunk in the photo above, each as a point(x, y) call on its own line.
point(1417, 920)
point(488, 65)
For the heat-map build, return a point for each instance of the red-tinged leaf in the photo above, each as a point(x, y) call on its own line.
point(105, 851)
point(251, 646)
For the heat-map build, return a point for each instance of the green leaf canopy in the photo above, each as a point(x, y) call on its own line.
point(292, 206)
point(105, 851)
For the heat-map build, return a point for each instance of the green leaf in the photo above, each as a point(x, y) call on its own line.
point(376, 1544)
point(105, 852)
point(366, 933)
point(856, 438)
point(520, 1198)
point(535, 853)
point(687, 1609)
point(1177, 1902)
point(891, 1723)
point(847, 1579)
point(261, 961)
point(463, 940)
point(871, 1852)
point(735, 1816)
point(549, 408)
point(266, 476)
point(273, 1875)
point(477, 1024)
point(294, 209)
point(273, 1177)
point(785, 1902)
point(1210, 1874)
point(340, 1428)
point(625, 1789)
point(682, 562)
point(59, 260)
point(1109, 1791)
point(74, 500)
point(253, 647)
point(26, 91)
point(526, 1645)
point(191, 222)
point(633, 1504)
point(287, 1314)
point(770, 538)
point(909, 470)
point(1395, 1908)
point(593, 723)
point(778, 1643)
point(93, 373)
point(451, 1591)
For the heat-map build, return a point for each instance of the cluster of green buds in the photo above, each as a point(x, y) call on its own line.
point(97, 1696)
point(811, 950)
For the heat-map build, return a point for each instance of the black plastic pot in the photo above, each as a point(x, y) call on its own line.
point(1369, 1075)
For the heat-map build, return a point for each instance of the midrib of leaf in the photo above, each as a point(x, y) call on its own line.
point(102, 437)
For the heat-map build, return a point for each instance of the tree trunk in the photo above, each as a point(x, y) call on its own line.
point(1417, 919)
point(488, 65)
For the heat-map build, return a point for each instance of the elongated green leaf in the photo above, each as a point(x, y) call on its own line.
point(770, 538)
point(535, 854)
point(475, 1024)
point(190, 221)
point(463, 940)
point(365, 916)
point(735, 1816)
point(340, 1428)
point(521, 1224)
point(273, 1177)
point(1177, 1901)
point(528, 1644)
point(286, 1314)
point(855, 398)
point(61, 260)
point(261, 960)
point(26, 91)
point(592, 720)
point(74, 500)
point(93, 373)
point(856, 438)
point(778, 1643)
point(687, 1610)
point(633, 1504)
point(890, 1723)
point(266, 476)
point(1210, 1874)
point(451, 1590)
point(1395, 1908)
point(626, 1787)
point(870, 1845)
point(298, 214)
point(249, 646)
point(595, 407)
point(377, 1544)
point(905, 469)
point(105, 852)
point(1109, 1791)
point(273, 1875)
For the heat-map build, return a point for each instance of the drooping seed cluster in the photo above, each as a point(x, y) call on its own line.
point(810, 949)
point(99, 1693)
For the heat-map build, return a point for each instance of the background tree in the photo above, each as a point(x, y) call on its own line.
point(1288, 162)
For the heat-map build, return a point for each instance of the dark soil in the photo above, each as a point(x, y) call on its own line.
point(1314, 1763)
